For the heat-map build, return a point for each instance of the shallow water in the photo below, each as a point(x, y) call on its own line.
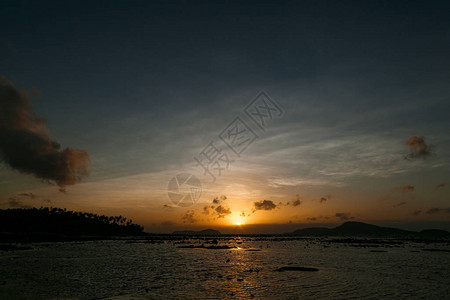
point(139, 270)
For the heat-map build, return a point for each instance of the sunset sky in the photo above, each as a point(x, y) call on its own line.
point(362, 132)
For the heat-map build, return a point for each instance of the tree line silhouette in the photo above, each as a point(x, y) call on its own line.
point(66, 222)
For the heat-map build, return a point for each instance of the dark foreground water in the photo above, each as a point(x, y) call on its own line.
point(142, 270)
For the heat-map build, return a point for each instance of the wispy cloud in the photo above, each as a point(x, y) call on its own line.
point(15, 203)
point(168, 223)
point(30, 195)
point(296, 181)
point(317, 218)
point(404, 188)
point(344, 216)
point(436, 210)
point(169, 206)
point(441, 185)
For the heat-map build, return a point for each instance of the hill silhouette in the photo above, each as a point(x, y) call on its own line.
point(47, 221)
point(368, 230)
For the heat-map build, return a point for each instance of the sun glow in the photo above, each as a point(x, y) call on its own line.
point(237, 219)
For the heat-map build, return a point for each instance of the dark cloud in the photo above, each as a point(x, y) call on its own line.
point(26, 146)
point(293, 203)
point(417, 212)
point(264, 205)
point(400, 204)
point(189, 217)
point(219, 211)
point(418, 148)
point(344, 216)
point(404, 188)
point(441, 185)
point(206, 210)
point(325, 198)
point(296, 202)
point(435, 210)
point(222, 211)
point(219, 200)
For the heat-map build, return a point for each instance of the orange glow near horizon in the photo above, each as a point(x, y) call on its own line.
point(237, 219)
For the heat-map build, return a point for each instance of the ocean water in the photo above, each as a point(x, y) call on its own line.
point(120, 269)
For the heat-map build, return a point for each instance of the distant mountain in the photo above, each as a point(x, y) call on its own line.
point(313, 231)
point(369, 230)
point(202, 232)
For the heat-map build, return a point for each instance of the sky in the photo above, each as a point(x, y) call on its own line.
point(120, 97)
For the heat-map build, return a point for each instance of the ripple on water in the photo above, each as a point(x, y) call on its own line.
point(119, 270)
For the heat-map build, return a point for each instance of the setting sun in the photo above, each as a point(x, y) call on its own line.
point(237, 219)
